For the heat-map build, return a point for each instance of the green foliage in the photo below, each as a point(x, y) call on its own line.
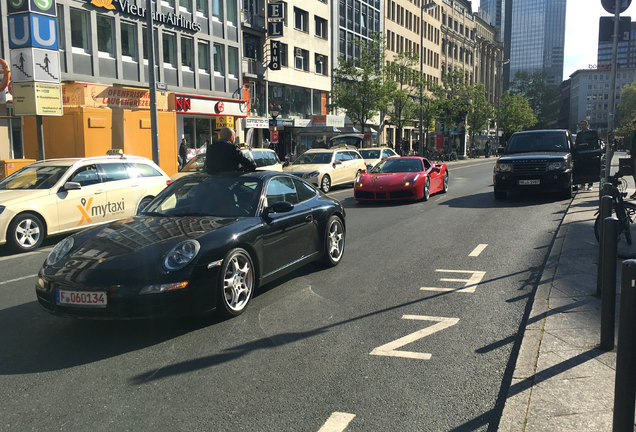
point(543, 99)
point(359, 86)
point(481, 111)
point(515, 113)
point(626, 110)
point(404, 98)
point(452, 98)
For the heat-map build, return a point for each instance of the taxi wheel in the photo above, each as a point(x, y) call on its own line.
point(26, 232)
point(237, 281)
point(143, 203)
point(325, 183)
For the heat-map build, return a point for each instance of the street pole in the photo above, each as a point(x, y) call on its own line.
point(612, 94)
point(152, 83)
point(421, 77)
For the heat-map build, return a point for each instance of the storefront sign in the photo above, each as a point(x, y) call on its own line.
point(182, 104)
point(328, 120)
point(206, 105)
point(33, 64)
point(131, 9)
point(256, 123)
point(32, 30)
point(276, 10)
point(224, 121)
point(219, 107)
point(274, 63)
point(100, 96)
point(301, 122)
point(37, 99)
point(275, 28)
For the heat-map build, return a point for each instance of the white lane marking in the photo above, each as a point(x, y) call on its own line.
point(22, 255)
point(470, 284)
point(479, 249)
point(390, 349)
point(454, 167)
point(17, 279)
point(337, 422)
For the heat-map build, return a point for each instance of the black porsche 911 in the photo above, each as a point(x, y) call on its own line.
point(205, 242)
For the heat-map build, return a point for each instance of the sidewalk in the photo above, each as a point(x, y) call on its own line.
point(562, 382)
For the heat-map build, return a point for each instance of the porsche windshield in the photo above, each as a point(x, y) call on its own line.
point(538, 142)
point(398, 165)
point(211, 196)
point(39, 177)
point(314, 158)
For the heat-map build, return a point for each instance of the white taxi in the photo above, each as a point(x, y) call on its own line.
point(374, 155)
point(62, 195)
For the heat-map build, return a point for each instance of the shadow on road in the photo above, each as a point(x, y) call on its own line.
point(487, 200)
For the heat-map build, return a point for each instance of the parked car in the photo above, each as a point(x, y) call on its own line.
point(402, 178)
point(352, 139)
point(374, 155)
point(328, 167)
point(63, 195)
point(543, 160)
point(265, 160)
point(205, 242)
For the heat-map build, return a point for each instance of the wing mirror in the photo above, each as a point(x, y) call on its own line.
point(71, 186)
point(286, 163)
point(336, 163)
point(279, 207)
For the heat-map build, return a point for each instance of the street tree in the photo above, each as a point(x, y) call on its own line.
point(452, 98)
point(515, 114)
point(403, 107)
point(480, 110)
point(626, 110)
point(359, 85)
point(544, 99)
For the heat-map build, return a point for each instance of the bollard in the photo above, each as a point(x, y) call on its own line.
point(605, 211)
point(608, 282)
point(625, 384)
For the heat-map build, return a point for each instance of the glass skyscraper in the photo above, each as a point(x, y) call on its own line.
point(537, 38)
point(495, 9)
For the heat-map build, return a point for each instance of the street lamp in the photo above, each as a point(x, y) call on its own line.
point(501, 63)
point(423, 6)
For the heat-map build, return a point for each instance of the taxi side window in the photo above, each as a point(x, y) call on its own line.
point(340, 156)
point(85, 176)
point(354, 155)
point(142, 170)
point(281, 189)
point(114, 171)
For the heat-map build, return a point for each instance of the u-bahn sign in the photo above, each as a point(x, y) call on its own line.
point(610, 5)
point(32, 30)
point(46, 7)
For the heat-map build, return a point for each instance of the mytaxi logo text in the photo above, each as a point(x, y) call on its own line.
point(88, 211)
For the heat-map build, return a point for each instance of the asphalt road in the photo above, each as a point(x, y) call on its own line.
point(360, 347)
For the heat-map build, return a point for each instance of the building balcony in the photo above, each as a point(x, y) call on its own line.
point(253, 68)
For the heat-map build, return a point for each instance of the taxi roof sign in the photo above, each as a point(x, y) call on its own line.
point(115, 152)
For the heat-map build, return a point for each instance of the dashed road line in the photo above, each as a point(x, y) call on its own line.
point(337, 422)
point(479, 249)
point(22, 255)
point(17, 279)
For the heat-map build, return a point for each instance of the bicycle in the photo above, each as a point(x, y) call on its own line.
point(625, 211)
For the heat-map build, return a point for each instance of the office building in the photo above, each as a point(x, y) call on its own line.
point(496, 13)
point(626, 49)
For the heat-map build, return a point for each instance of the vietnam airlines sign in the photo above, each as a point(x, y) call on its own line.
point(128, 8)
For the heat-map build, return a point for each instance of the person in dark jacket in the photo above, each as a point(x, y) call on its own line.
point(183, 153)
point(223, 155)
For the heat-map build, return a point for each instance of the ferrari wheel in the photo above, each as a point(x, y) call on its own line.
point(26, 232)
point(427, 190)
point(445, 185)
point(325, 183)
point(237, 282)
point(334, 241)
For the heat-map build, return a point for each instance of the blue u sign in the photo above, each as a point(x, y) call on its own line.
point(32, 30)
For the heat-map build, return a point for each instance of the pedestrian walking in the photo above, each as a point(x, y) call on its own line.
point(586, 136)
point(223, 155)
point(183, 153)
point(631, 151)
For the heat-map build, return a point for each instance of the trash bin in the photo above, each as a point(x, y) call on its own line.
point(9, 166)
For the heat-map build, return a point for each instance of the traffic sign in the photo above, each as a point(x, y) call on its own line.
point(46, 7)
point(34, 64)
point(36, 98)
point(610, 5)
point(32, 30)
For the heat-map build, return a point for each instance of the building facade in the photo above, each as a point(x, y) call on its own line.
point(459, 39)
point(496, 12)
point(626, 48)
point(488, 59)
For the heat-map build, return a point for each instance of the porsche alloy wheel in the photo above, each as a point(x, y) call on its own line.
point(26, 232)
point(445, 186)
point(325, 183)
point(237, 282)
point(427, 189)
point(334, 241)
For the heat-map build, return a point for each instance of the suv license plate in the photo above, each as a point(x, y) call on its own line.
point(529, 182)
point(95, 299)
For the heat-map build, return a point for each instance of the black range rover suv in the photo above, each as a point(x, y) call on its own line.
point(545, 160)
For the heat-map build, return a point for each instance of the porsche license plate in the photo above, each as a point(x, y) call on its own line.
point(95, 299)
point(529, 182)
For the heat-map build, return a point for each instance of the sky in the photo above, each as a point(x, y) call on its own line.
point(581, 32)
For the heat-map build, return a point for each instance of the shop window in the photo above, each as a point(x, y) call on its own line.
point(321, 64)
point(217, 10)
point(187, 52)
point(284, 53)
point(301, 19)
point(321, 27)
point(232, 16)
point(219, 60)
point(169, 50)
point(317, 102)
point(80, 31)
point(128, 41)
point(301, 59)
point(185, 6)
point(105, 37)
point(204, 58)
point(232, 62)
point(203, 132)
point(202, 8)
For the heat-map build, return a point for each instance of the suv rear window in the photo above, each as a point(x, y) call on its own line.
point(538, 142)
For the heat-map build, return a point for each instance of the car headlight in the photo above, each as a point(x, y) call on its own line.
point(181, 255)
point(60, 250)
point(311, 174)
point(410, 181)
point(554, 166)
point(2, 208)
point(159, 288)
point(503, 167)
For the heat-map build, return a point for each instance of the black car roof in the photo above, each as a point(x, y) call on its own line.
point(262, 175)
point(541, 131)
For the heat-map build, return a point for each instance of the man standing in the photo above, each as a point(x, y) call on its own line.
point(586, 136)
point(183, 152)
point(223, 155)
point(631, 151)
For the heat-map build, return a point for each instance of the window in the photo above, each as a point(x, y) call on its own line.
point(321, 64)
point(105, 37)
point(281, 189)
point(185, 6)
point(86, 175)
point(231, 13)
point(321, 27)
point(232, 62)
point(217, 10)
point(114, 171)
point(80, 31)
point(219, 60)
point(204, 57)
point(284, 53)
point(167, 4)
point(301, 59)
point(300, 19)
point(60, 27)
point(142, 170)
point(304, 191)
point(187, 52)
point(169, 50)
point(202, 8)
point(128, 41)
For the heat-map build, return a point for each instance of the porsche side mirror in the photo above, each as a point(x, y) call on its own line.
point(71, 186)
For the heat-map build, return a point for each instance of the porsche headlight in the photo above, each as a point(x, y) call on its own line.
point(60, 250)
point(503, 167)
point(555, 166)
point(159, 288)
point(181, 255)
